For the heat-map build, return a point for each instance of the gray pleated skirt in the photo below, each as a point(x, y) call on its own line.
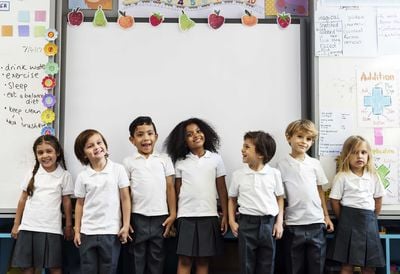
point(37, 249)
point(199, 237)
point(357, 239)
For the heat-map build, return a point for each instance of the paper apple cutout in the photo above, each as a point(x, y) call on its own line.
point(75, 17)
point(125, 21)
point(215, 20)
point(156, 19)
point(248, 19)
point(283, 19)
point(185, 23)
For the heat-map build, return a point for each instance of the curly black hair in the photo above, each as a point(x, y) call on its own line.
point(175, 143)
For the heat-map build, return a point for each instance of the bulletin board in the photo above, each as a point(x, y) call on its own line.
point(22, 67)
point(237, 78)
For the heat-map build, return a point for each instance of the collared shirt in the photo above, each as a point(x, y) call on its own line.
point(357, 192)
point(257, 190)
point(101, 190)
point(148, 182)
point(42, 211)
point(198, 192)
point(301, 180)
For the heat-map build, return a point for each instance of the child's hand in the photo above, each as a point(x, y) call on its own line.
point(68, 233)
point(14, 231)
point(123, 235)
point(77, 239)
point(167, 224)
point(235, 228)
point(329, 225)
point(224, 225)
point(130, 238)
point(277, 232)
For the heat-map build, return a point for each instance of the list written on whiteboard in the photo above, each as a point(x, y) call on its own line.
point(20, 89)
point(345, 32)
point(334, 127)
point(388, 27)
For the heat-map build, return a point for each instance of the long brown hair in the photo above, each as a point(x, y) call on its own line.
point(53, 141)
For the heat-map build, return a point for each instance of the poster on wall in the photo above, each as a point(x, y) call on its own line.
point(386, 161)
point(193, 8)
point(90, 4)
point(378, 98)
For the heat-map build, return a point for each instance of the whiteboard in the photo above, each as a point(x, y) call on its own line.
point(236, 78)
point(21, 72)
point(337, 91)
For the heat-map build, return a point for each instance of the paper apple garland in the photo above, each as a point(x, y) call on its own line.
point(48, 82)
point(75, 17)
point(283, 19)
point(156, 19)
point(248, 19)
point(215, 20)
point(125, 21)
point(185, 23)
point(50, 49)
point(48, 131)
point(48, 116)
point(99, 19)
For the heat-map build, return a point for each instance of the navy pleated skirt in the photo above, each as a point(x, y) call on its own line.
point(199, 237)
point(357, 239)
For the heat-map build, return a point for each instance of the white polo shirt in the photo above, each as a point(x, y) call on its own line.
point(300, 180)
point(148, 182)
point(42, 211)
point(257, 190)
point(198, 192)
point(101, 190)
point(357, 192)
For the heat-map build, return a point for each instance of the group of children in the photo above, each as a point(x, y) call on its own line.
point(140, 201)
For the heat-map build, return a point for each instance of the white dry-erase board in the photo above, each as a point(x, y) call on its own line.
point(22, 60)
point(340, 89)
point(237, 78)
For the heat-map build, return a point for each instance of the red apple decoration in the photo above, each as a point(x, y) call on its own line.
point(75, 17)
point(283, 19)
point(215, 20)
point(156, 19)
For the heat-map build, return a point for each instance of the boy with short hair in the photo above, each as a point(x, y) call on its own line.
point(306, 215)
point(153, 197)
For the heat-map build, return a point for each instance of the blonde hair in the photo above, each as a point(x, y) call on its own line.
point(302, 125)
point(350, 146)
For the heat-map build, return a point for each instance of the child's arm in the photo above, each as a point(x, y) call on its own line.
point(232, 205)
point(68, 233)
point(223, 198)
point(19, 213)
point(125, 197)
point(327, 219)
point(278, 226)
point(378, 205)
point(336, 207)
point(171, 201)
point(78, 218)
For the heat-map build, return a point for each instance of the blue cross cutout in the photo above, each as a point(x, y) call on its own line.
point(377, 101)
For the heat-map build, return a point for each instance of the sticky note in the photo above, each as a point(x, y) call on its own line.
point(378, 136)
point(6, 30)
point(23, 30)
point(40, 15)
point(24, 16)
point(39, 31)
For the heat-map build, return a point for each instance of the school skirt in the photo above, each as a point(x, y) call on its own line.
point(357, 239)
point(37, 249)
point(199, 237)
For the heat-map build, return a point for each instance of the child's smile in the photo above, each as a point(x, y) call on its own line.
point(144, 139)
point(194, 137)
point(47, 156)
point(95, 148)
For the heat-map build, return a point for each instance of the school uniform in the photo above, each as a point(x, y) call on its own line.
point(198, 226)
point(101, 219)
point(39, 242)
point(357, 239)
point(256, 193)
point(149, 209)
point(304, 237)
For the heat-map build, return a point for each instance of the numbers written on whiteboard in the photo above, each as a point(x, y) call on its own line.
point(31, 49)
